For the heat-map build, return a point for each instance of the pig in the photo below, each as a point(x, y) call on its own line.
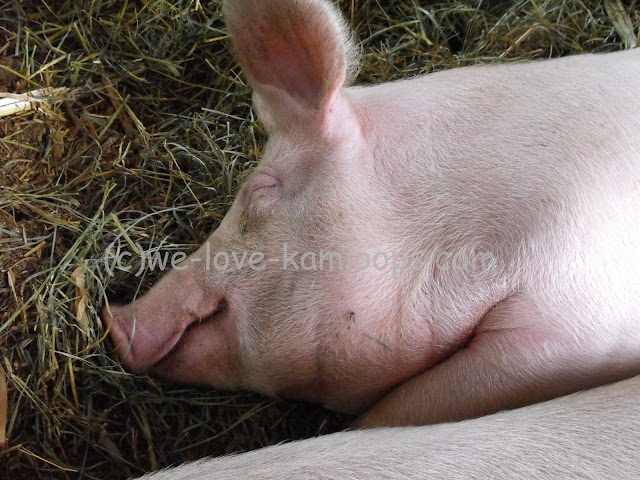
point(593, 434)
point(533, 167)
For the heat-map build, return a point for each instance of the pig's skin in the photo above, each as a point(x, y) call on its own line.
point(538, 163)
point(593, 434)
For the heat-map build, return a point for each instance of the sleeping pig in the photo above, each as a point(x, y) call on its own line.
point(419, 251)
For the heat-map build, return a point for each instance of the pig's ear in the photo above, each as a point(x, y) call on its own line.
point(296, 53)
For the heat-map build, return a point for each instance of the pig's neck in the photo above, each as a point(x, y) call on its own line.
point(439, 202)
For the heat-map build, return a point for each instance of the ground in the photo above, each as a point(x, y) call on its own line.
point(152, 135)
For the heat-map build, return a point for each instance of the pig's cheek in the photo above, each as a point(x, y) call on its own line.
point(204, 356)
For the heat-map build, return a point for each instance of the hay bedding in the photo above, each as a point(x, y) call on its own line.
point(152, 136)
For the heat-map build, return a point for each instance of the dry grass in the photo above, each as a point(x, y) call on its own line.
point(152, 139)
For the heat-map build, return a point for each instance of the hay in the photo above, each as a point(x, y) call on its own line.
point(152, 136)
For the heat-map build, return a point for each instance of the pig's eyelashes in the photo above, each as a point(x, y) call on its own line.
point(262, 190)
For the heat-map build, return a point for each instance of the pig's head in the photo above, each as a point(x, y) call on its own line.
point(307, 329)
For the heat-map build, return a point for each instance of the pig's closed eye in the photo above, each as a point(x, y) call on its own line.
point(260, 191)
point(263, 187)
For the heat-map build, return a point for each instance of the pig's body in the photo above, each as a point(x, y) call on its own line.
point(589, 435)
point(537, 164)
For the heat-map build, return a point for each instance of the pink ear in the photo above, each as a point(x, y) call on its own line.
point(299, 48)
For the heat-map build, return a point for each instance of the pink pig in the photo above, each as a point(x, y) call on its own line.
point(535, 165)
point(589, 435)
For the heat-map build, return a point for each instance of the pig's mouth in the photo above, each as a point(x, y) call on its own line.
point(173, 345)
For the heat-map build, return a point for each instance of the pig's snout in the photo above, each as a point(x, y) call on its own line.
point(134, 340)
point(146, 331)
point(111, 316)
